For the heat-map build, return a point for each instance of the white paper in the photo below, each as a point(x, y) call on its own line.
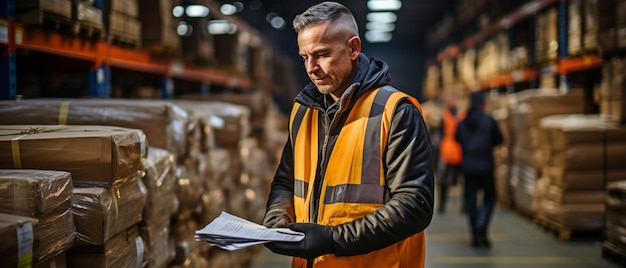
point(231, 232)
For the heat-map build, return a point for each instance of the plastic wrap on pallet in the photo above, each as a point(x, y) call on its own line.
point(159, 245)
point(190, 184)
point(95, 155)
point(33, 193)
point(125, 249)
point(86, 12)
point(160, 181)
point(162, 122)
point(101, 213)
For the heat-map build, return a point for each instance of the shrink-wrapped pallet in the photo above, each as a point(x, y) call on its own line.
point(159, 247)
point(45, 196)
point(162, 122)
point(160, 181)
point(94, 155)
point(125, 249)
point(101, 213)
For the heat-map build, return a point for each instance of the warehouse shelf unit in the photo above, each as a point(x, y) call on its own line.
point(563, 66)
point(104, 58)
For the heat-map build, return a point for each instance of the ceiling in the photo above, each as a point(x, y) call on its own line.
point(405, 53)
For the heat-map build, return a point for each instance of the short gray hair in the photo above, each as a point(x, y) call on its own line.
point(326, 12)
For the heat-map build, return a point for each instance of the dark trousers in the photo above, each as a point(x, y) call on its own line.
point(479, 215)
point(448, 177)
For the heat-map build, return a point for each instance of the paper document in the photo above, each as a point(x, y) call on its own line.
point(231, 232)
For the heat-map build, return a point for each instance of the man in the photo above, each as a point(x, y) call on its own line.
point(449, 150)
point(356, 175)
point(478, 134)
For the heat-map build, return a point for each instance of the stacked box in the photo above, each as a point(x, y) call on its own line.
point(159, 247)
point(20, 239)
point(158, 33)
point(86, 13)
point(95, 155)
point(611, 95)
point(431, 82)
point(103, 212)
point(198, 46)
point(579, 145)
point(122, 21)
point(162, 122)
point(600, 25)
point(125, 249)
point(232, 52)
point(615, 219)
point(575, 27)
point(33, 11)
point(621, 25)
point(466, 67)
point(526, 111)
point(547, 43)
point(45, 196)
point(502, 154)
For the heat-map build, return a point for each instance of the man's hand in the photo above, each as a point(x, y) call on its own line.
point(276, 218)
point(318, 240)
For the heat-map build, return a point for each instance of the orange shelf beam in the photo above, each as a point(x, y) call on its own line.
point(570, 65)
point(509, 78)
point(127, 58)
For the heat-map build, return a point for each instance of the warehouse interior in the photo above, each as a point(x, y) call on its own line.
point(128, 125)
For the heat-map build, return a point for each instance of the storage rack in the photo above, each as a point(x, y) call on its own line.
point(106, 59)
point(565, 67)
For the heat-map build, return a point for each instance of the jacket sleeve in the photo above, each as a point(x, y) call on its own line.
point(409, 169)
point(280, 200)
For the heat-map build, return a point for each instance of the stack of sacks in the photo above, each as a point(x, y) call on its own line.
point(581, 154)
point(20, 237)
point(161, 204)
point(44, 196)
point(105, 163)
point(162, 122)
point(615, 222)
point(528, 108)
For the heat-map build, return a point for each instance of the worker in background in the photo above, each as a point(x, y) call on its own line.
point(449, 150)
point(478, 134)
point(356, 174)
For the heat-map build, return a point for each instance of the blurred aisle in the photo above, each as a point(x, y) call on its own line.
point(517, 242)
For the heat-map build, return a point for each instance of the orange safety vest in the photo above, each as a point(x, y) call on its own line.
point(354, 183)
point(449, 149)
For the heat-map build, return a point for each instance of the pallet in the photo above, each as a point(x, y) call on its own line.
point(614, 254)
point(46, 19)
point(88, 30)
point(124, 39)
point(563, 232)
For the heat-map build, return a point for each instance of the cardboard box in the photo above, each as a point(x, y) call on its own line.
point(32, 193)
point(19, 239)
point(101, 213)
point(126, 249)
point(94, 155)
point(162, 122)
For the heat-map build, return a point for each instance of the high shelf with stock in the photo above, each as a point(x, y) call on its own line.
point(101, 63)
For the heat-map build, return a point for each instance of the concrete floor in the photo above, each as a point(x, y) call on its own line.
point(516, 242)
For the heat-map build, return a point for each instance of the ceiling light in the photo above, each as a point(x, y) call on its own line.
point(178, 11)
point(382, 16)
point(197, 11)
point(384, 5)
point(184, 29)
point(217, 27)
point(278, 22)
point(377, 37)
point(228, 9)
point(380, 26)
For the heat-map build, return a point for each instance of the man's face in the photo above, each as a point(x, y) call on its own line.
point(329, 57)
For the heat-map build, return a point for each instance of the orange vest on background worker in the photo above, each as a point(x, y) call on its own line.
point(449, 148)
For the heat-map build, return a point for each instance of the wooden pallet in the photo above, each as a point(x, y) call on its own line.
point(614, 254)
point(88, 30)
point(124, 39)
point(564, 232)
point(45, 19)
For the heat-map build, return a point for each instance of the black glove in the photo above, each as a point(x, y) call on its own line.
point(276, 218)
point(318, 240)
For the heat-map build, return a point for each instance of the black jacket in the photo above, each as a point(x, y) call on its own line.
point(478, 134)
point(408, 168)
